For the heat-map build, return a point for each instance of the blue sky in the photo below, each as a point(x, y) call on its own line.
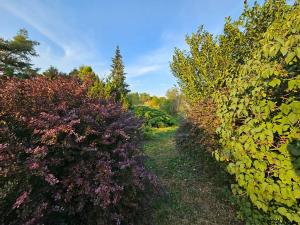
point(73, 33)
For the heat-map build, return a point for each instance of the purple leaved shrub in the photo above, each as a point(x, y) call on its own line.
point(66, 158)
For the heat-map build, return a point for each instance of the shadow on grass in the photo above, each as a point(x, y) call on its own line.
point(196, 190)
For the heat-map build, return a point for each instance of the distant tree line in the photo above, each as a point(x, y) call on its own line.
point(172, 103)
point(15, 61)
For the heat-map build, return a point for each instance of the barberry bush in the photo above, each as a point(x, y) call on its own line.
point(66, 158)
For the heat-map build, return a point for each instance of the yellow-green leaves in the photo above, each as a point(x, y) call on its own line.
point(253, 76)
point(290, 56)
point(275, 82)
point(264, 143)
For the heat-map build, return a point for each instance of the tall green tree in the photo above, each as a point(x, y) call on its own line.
point(117, 88)
point(174, 101)
point(133, 98)
point(97, 89)
point(15, 55)
point(86, 74)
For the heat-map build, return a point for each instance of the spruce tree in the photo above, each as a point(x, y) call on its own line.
point(116, 85)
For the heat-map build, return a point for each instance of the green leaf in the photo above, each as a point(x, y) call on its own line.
point(284, 50)
point(290, 56)
point(293, 84)
point(295, 107)
point(293, 118)
point(274, 49)
point(285, 109)
point(274, 82)
point(278, 129)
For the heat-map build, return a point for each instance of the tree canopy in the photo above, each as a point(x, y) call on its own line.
point(15, 55)
point(52, 73)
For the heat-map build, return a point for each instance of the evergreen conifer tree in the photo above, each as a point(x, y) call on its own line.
point(116, 85)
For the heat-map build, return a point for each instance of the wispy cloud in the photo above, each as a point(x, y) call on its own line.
point(135, 71)
point(31, 14)
point(47, 19)
point(73, 33)
point(157, 60)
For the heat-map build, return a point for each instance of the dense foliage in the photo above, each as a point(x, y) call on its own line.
point(153, 117)
point(66, 158)
point(251, 75)
point(260, 122)
point(96, 86)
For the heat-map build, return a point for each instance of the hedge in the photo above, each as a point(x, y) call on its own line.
point(260, 123)
point(251, 73)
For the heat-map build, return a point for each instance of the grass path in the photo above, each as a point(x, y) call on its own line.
point(194, 191)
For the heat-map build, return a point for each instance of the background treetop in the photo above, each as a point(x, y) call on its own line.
point(16, 54)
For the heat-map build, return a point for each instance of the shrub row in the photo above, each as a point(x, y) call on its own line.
point(66, 158)
point(260, 122)
point(252, 76)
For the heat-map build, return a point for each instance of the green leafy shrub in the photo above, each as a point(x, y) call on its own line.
point(251, 73)
point(153, 117)
point(260, 121)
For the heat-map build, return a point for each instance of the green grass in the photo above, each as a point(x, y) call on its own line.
point(194, 193)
